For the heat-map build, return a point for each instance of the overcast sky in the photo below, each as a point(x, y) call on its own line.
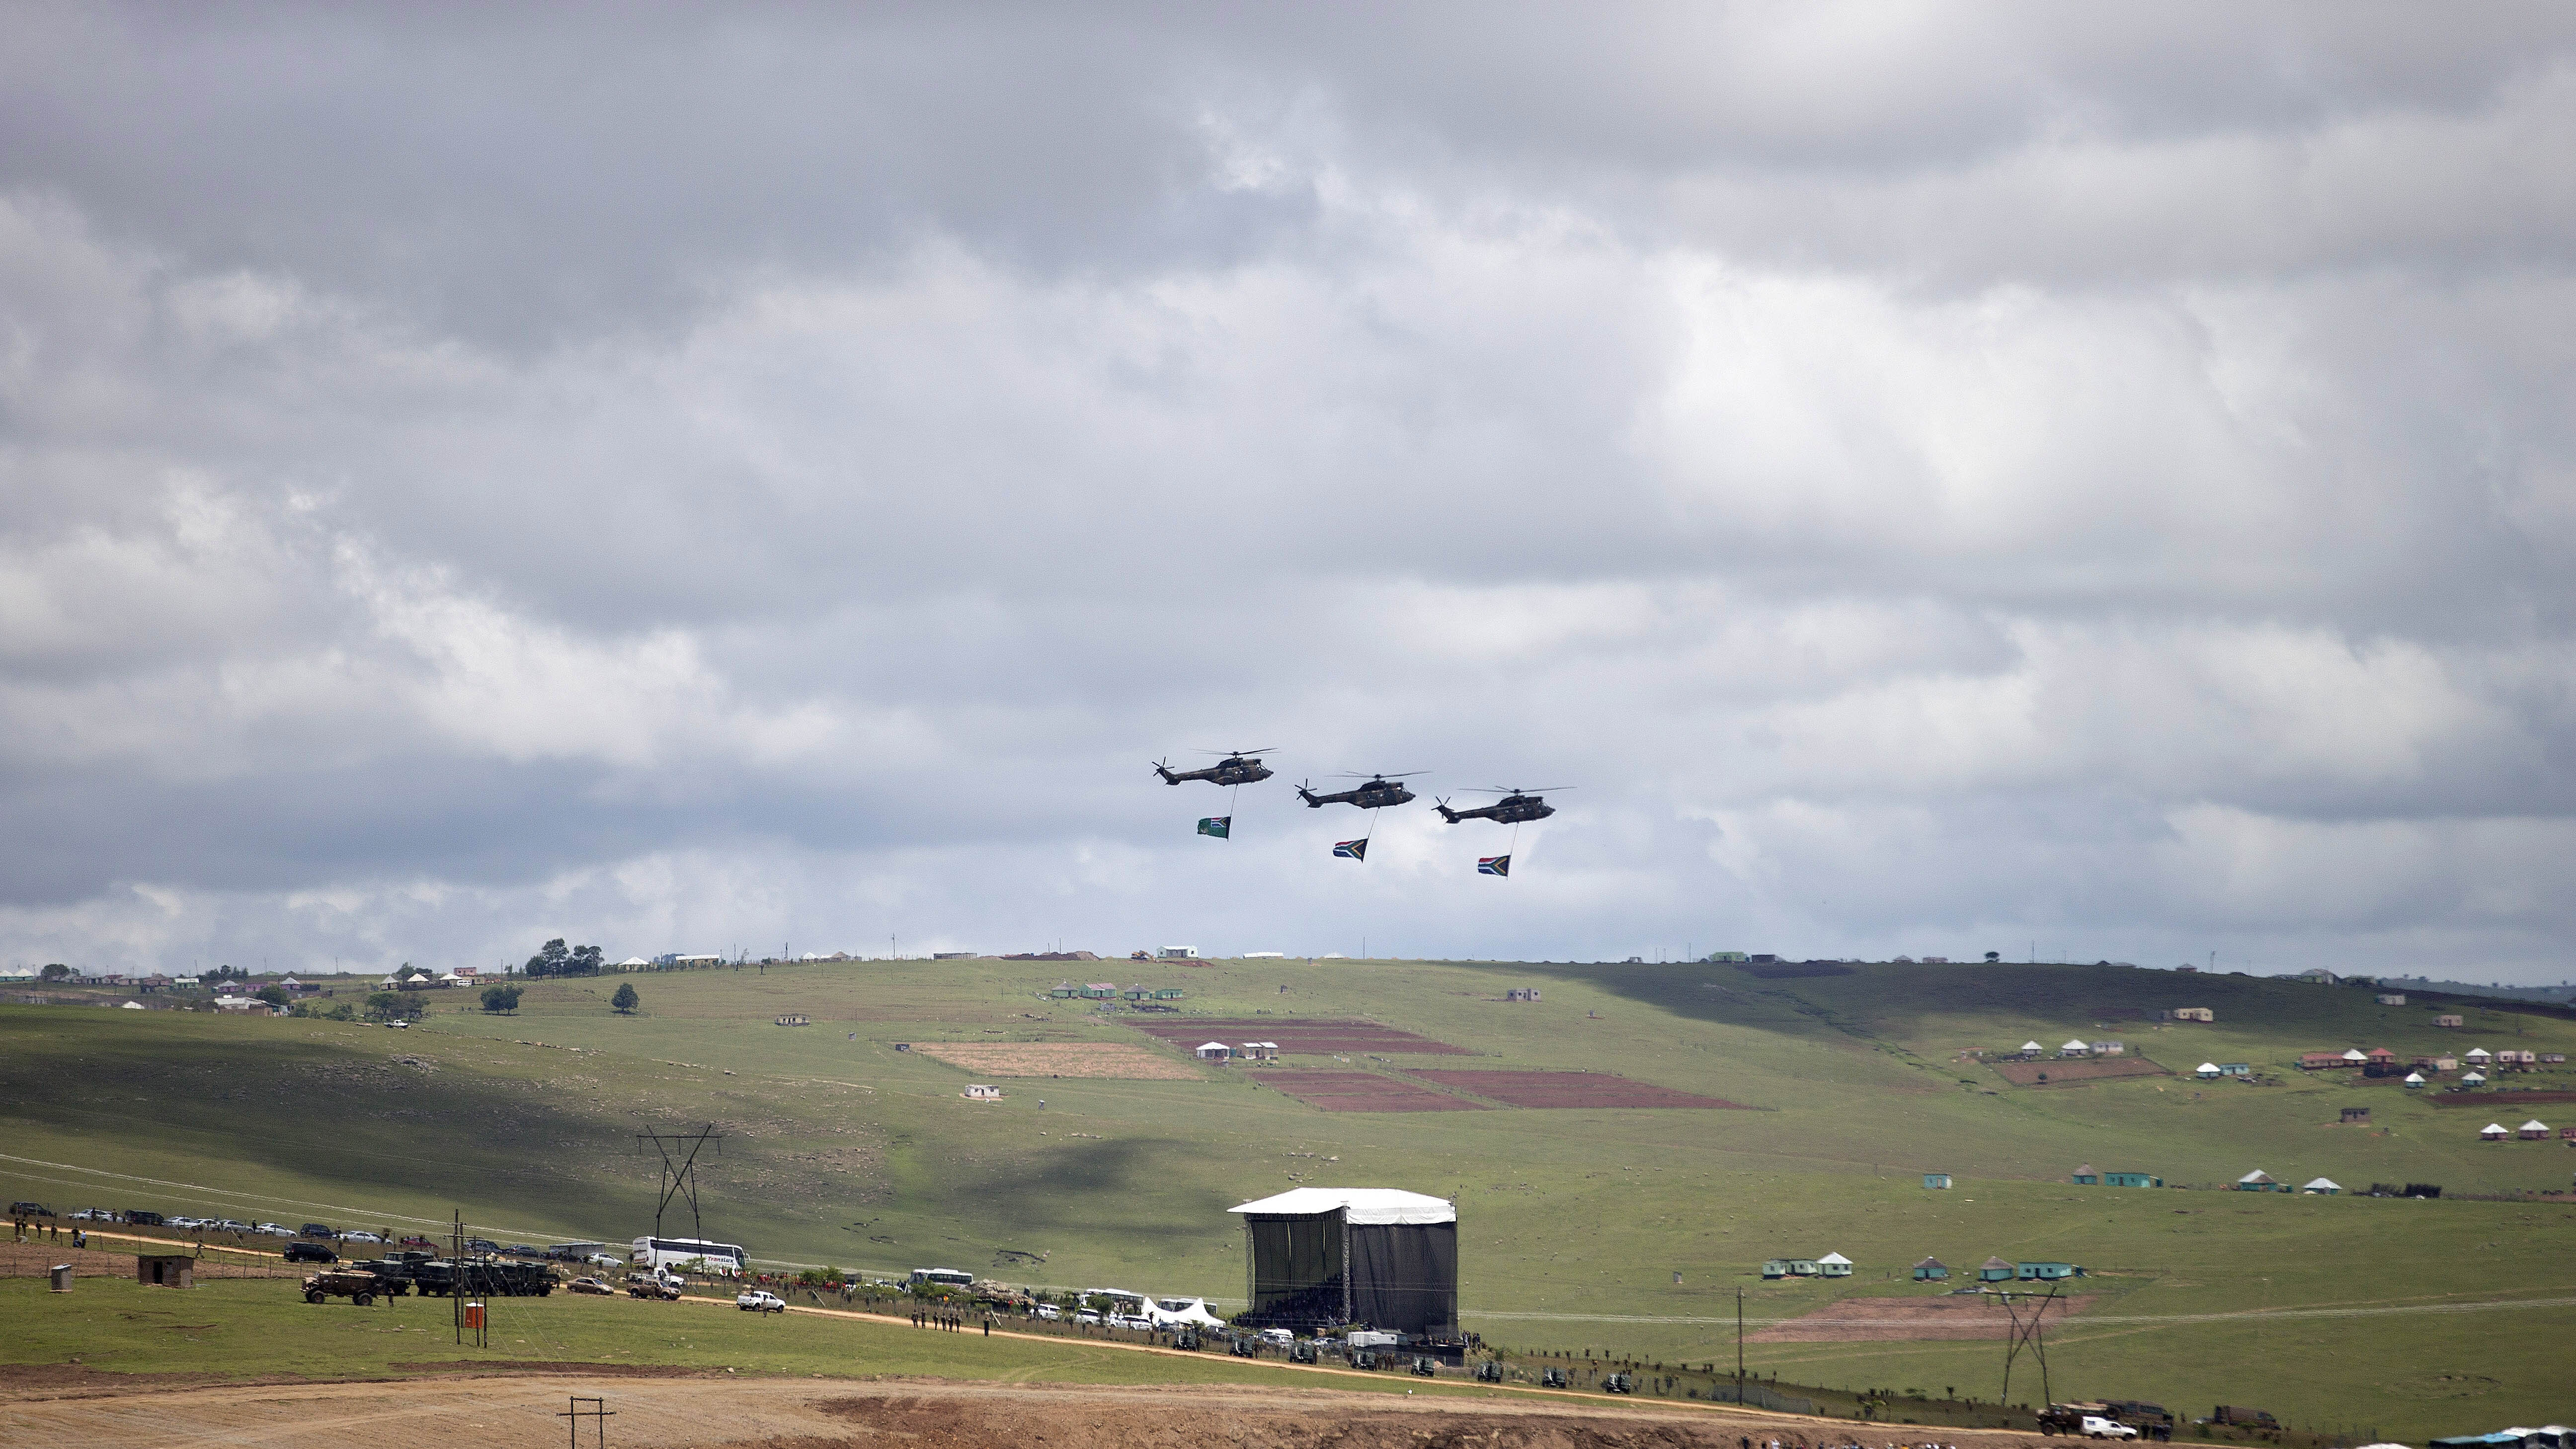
point(2093, 481)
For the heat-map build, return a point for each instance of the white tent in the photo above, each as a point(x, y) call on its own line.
point(1191, 1311)
point(634, 961)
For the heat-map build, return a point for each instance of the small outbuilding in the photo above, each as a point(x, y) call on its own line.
point(2447, 1019)
point(2131, 1179)
point(1936, 1179)
point(2414, 1079)
point(2392, 998)
point(2031, 1049)
point(1994, 1270)
point(2192, 1013)
point(2356, 1116)
point(1214, 1051)
point(2046, 1272)
point(2207, 1071)
point(2535, 1130)
point(2477, 1056)
point(2257, 1181)
point(2493, 1132)
point(2075, 1047)
point(2474, 1078)
point(981, 1093)
point(1931, 1270)
point(166, 1270)
point(2323, 1187)
point(1834, 1265)
point(2086, 1176)
point(2236, 1069)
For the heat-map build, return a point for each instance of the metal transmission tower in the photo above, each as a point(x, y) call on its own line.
point(2026, 1333)
point(680, 1170)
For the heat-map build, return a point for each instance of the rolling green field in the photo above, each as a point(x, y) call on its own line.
point(2339, 1313)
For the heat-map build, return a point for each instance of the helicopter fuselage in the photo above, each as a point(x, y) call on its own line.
point(1223, 772)
point(1511, 810)
point(1375, 795)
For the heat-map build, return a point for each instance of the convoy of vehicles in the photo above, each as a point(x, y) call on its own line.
point(2107, 1419)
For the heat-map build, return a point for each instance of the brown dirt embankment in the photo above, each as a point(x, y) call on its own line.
point(523, 1411)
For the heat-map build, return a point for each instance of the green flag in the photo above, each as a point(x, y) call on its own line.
point(1216, 825)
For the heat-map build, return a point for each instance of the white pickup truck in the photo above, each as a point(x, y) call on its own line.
point(2097, 1427)
point(760, 1300)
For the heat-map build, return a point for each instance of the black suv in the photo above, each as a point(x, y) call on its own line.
point(30, 1210)
point(319, 1230)
point(141, 1218)
point(303, 1252)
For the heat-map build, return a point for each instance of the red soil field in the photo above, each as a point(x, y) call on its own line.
point(1572, 1089)
point(1298, 1038)
point(1362, 1092)
point(2069, 1073)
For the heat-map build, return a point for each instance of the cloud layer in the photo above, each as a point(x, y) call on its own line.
point(1936, 480)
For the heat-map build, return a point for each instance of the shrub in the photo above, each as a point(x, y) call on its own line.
point(500, 998)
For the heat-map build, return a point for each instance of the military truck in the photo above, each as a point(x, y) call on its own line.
point(358, 1288)
point(481, 1278)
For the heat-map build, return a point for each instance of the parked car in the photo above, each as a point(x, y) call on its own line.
point(1086, 1316)
point(481, 1245)
point(302, 1251)
point(361, 1236)
point(230, 1225)
point(319, 1230)
point(1279, 1336)
point(653, 1285)
point(183, 1223)
point(1049, 1312)
point(1132, 1322)
point(760, 1301)
point(94, 1215)
point(591, 1285)
point(140, 1218)
point(2097, 1427)
point(30, 1210)
point(275, 1230)
point(525, 1250)
point(604, 1260)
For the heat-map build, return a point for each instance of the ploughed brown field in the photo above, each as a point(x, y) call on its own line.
point(1872, 1320)
point(1571, 1089)
point(1123, 1061)
point(1362, 1092)
point(1298, 1038)
point(2082, 1069)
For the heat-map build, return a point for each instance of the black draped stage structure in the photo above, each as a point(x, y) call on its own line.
point(1323, 1257)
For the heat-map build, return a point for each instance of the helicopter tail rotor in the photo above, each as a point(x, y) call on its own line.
point(1441, 804)
point(1164, 769)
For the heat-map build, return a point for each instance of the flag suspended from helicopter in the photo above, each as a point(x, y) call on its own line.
point(1217, 825)
point(1350, 849)
point(1493, 865)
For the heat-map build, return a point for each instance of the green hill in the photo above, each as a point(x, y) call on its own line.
point(842, 1149)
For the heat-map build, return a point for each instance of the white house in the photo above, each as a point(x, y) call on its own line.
point(2392, 998)
point(2207, 1071)
point(1834, 1265)
point(2030, 1049)
point(2493, 1132)
point(2474, 1079)
point(2534, 1130)
point(2477, 1056)
point(2110, 1048)
point(2414, 1079)
point(2074, 1047)
point(2323, 1187)
point(2355, 1055)
point(1214, 1051)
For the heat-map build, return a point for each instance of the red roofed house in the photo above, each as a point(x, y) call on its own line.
point(2382, 1056)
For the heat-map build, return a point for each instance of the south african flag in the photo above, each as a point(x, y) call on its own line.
point(1217, 825)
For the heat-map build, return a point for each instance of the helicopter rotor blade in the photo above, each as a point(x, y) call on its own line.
point(1521, 789)
point(1258, 750)
point(1381, 774)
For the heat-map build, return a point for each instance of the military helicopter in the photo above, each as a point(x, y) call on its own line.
point(1517, 805)
point(1239, 767)
point(1378, 793)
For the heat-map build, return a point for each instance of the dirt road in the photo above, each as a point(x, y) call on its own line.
point(44, 1409)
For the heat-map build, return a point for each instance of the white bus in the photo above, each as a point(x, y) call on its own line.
point(688, 1254)
point(951, 1277)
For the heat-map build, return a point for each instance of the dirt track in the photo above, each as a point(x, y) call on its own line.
point(696, 1409)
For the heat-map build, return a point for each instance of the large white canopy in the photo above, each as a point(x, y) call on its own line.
point(1364, 1205)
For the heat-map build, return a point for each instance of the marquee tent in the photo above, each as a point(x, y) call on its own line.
point(1325, 1256)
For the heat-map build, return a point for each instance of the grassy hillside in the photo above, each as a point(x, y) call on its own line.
point(842, 1149)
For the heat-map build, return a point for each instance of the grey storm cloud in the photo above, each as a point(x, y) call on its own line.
point(1934, 478)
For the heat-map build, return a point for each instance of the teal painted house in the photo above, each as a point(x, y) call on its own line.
point(1936, 1179)
point(1930, 1269)
point(2046, 1272)
point(2131, 1179)
point(2085, 1176)
point(1995, 1270)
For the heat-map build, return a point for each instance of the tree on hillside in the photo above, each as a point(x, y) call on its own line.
point(626, 999)
point(384, 1006)
point(500, 998)
point(275, 996)
point(56, 971)
point(557, 959)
